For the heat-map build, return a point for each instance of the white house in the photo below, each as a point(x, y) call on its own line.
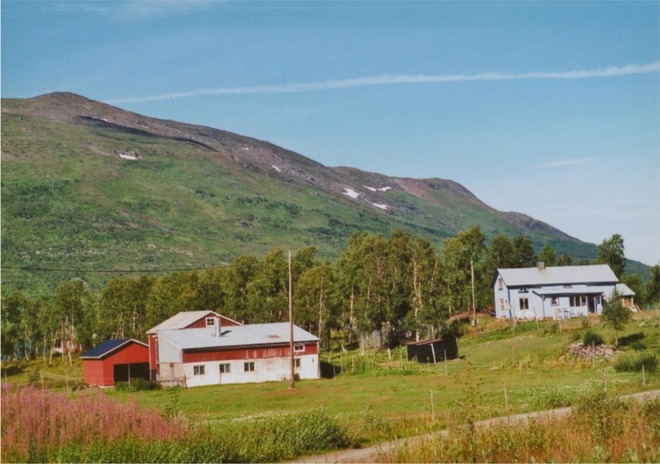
point(217, 354)
point(558, 292)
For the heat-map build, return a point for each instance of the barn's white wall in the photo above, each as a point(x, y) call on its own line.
point(265, 370)
point(168, 352)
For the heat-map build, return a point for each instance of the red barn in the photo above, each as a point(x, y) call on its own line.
point(115, 361)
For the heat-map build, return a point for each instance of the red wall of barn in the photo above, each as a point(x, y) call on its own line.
point(246, 353)
point(131, 354)
point(153, 353)
point(100, 372)
point(201, 323)
point(95, 373)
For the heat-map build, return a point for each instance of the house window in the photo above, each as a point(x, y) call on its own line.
point(578, 301)
point(523, 290)
point(198, 370)
point(568, 286)
point(524, 303)
point(248, 367)
point(225, 368)
point(298, 348)
point(555, 301)
point(500, 282)
point(297, 362)
point(210, 321)
point(502, 304)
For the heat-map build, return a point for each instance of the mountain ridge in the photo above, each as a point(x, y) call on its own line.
point(170, 193)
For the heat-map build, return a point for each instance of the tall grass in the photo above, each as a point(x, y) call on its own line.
point(37, 422)
point(601, 428)
point(40, 425)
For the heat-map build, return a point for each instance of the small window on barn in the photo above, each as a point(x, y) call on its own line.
point(298, 348)
point(555, 301)
point(523, 290)
point(524, 303)
point(248, 367)
point(198, 370)
point(210, 321)
point(297, 362)
point(225, 368)
point(500, 281)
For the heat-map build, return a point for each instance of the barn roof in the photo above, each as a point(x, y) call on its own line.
point(183, 320)
point(558, 275)
point(107, 347)
point(234, 336)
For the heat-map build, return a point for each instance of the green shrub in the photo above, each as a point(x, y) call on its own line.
point(555, 396)
point(137, 385)
point(599, 411)
point(144, 384)
point(592, 338)
point(634, 363)
point(638, 346)
point(121, 386)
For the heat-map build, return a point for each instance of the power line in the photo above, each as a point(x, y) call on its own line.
point(110, 271)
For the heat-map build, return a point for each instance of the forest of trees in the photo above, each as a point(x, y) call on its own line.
point(401, 286)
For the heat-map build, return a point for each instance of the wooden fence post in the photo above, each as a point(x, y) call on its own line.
point(643, 375)
point(432, 407)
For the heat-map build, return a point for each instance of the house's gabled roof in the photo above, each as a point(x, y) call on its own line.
point(558, 275)
point(108, 347)
point(235, 336)
point(184, 319)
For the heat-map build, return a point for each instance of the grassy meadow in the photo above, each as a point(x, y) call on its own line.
point(380, 396)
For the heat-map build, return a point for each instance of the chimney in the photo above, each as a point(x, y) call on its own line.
point(540, 265)
point(218, 327)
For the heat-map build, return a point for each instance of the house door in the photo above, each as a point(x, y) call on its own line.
point(591, 299)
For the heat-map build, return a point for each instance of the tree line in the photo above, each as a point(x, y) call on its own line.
point(400, 286)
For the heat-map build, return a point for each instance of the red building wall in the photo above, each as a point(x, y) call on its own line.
point(100, 372)
point(95, 373)
point(247, 353)
point(200, 323)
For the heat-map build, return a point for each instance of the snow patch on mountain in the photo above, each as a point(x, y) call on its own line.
point(130, 155)
point(381, 206)
point(276, 168)
point(351, 193)
point(375, 189)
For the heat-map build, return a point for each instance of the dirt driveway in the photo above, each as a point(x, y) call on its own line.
point(371, 454)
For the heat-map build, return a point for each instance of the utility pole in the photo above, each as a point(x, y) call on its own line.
point(293, 362)
point(474, 303)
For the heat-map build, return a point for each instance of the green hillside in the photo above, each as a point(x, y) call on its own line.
point(89, 186)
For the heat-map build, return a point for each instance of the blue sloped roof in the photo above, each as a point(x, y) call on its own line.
point(107, 347)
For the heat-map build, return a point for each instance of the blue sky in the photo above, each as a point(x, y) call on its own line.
point(551, 109)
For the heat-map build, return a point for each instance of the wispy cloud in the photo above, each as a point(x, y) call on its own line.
point(141, 9)
point(566, 162)
point(125, 10)
point(612, 71)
